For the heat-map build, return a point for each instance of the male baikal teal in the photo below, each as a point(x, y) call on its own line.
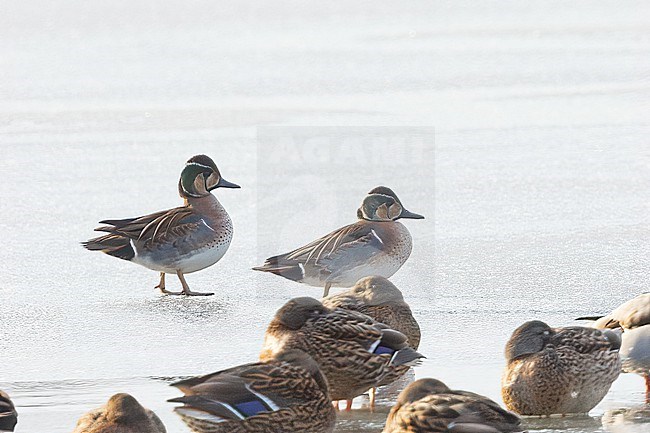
point(177, 241)
point(377, 244)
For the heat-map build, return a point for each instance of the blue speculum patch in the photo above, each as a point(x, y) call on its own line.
point(250, 408)
point(380, 350)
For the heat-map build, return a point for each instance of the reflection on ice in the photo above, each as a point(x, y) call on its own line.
point(577, 423)
point(536, 186)
point(361, 421)
point(627, 420)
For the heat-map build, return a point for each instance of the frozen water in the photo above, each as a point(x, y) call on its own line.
point(519, 129)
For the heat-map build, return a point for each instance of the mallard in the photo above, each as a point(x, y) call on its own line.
point(354, 352)
point(378, 298)
point(558, 370)
point(377, 244)
point(122, 413)
point(633, 318)
point(176, 241)
point(285, 394)
point(428, 406)
point(8, 414)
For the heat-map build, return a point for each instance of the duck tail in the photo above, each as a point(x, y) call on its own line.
point(113, 245)
point(214, 407)
point(279, 265)
point(589, 318)
point(8, 415)
point(407, 356)
point(395, 342)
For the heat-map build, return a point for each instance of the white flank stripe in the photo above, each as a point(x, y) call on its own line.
point(199, 414)
point(375, 235)
point(374, 346)
point(206, 224)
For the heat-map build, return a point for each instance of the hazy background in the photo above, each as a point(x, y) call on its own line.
point(519, 129)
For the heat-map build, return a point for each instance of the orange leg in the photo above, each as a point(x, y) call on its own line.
point(326, 290)
point(372, 393)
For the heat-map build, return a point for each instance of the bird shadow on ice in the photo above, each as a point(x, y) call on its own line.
point(181, 309)
point(187, 309)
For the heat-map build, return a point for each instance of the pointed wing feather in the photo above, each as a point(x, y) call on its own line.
point(205, 404)
point(129, 227)
point(177, 221)
point(330, 242)
point(353, 250)
point(186, 385)
point(347, 246)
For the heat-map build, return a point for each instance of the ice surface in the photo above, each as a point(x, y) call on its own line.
point(519, 129)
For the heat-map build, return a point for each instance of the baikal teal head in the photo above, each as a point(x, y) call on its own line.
point(382, 204)
point(200, 176)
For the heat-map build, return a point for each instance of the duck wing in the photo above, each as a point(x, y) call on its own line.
point(347, 246)
point(373, 336)
point(582, 339)
point(177, 222)
point(345, 300)
point(457, 412)
point(240, 392)
point(347, 325)
point(631, 314)
point(471, 405)
point(179, 228)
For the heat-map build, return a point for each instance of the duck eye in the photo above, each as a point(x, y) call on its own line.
point(211, 180)
point(546, 332)
point(315, 312)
